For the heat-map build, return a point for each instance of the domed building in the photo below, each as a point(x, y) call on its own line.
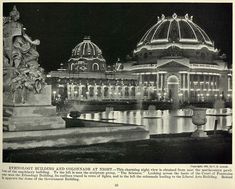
point(177, 61)
point(87, 78)
point(174, 61)
point(87, 56)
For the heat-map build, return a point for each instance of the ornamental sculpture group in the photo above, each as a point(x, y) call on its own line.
point(26, 97)
point(21, 70)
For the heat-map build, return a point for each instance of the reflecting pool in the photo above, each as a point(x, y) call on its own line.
point(164, 122)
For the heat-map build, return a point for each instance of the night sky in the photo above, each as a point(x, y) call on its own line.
point(114, 27)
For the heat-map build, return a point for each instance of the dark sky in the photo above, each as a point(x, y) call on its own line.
point(114, 27)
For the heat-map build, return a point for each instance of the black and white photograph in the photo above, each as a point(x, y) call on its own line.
point(123, 83)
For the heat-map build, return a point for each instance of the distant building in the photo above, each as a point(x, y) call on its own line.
point(174, 61)
point(87, 77)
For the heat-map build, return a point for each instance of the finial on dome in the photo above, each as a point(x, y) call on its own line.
point(87, 37)
point(163, 17)
point(186, 16)
point(99, 52)
point(191, 18)
point(174, 16)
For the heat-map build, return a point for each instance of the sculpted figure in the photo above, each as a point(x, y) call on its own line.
point(21, 67)
point(24, 49)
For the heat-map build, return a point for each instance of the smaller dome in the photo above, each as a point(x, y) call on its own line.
point(87, 50)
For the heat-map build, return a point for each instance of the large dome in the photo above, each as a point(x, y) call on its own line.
point(175, 29)
point(87, 50)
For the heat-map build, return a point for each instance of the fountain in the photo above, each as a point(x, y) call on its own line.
point(184, 113)
point(219, 105)
point(152, 113)
point(108, 115)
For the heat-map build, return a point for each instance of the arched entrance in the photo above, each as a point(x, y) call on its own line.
point(173, 88)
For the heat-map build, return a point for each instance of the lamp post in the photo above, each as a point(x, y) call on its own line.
point(54, 95)
point(228, 95)
point(207, 95)
point(215, 96)
point(159, 96)
point(202, 97)
point(164, 96)
point(87, 95)
point(180, 96)
point(96, 95)
point(110, 95)
point(75, 92)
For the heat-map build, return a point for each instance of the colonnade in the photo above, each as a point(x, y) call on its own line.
point(111, 92)
point(190, 86)
point(205, 87)
point(100, 92)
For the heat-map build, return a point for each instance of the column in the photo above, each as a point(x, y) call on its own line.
point(149, 91)
point(208, 87)
point(136, 93)
point(102, 92)
point(79, 92)
point(188, 77)
point(67, 92)
point(116, 92)
point(123, 91)
point(213, 86)
point(183, 76)
point(157, 81)
point(199, 87)
point(215, 82)
point(95, 92)
point(88, 92)
point(130, 94)
point(183, 91)
point(141, 79)
point(204, 82)
point(110, 92)
point(71, 92)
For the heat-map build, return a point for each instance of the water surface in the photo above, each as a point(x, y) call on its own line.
point(164, 122)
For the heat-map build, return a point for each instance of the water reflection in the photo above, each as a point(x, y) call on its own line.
point(163, 122)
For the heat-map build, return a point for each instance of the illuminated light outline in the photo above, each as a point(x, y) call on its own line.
point(156, 30)
point(188, 21)
point(181, 46)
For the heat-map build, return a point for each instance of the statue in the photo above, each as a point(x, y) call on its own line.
point(26, 96)
point(20, 59)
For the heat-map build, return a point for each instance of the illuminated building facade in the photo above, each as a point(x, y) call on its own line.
point(87, 78)
point(174, 61)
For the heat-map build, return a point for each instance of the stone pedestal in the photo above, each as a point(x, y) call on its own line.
point(36, 113)
point(199, 133)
